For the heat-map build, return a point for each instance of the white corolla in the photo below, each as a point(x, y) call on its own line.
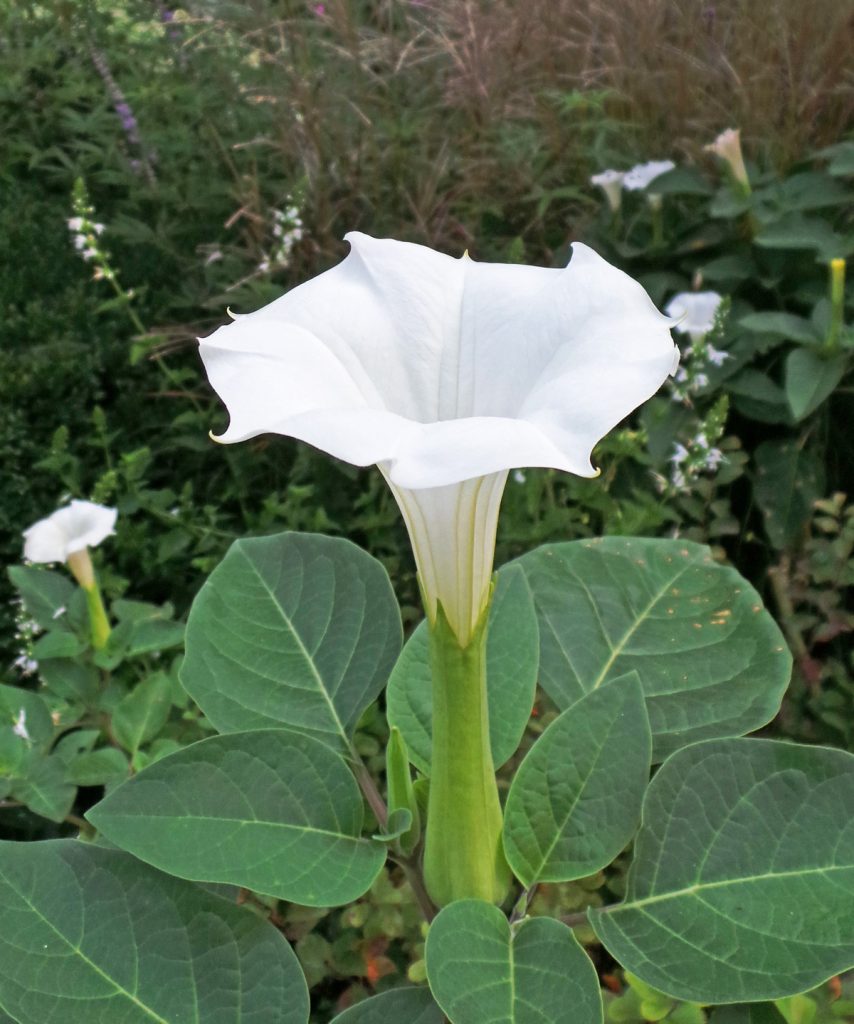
point(446, 373)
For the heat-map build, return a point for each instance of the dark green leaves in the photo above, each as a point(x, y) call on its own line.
point(810, 379)
point(742, 886)
point(575, 800)
point(297, 630)
point(789, 478)
point(275, 811)
point(91, 936)
point(511, 676)
point(483, 972)
point(710, 659)
point(399, 1006)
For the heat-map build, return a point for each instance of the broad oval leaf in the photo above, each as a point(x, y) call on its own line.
point(275, 811)
point(810, 379)
point(742, 887)
point(512, 655)
point(399, 1006)
point(711, 661)
point(482, 972)
point(296, 629)
point(575, 800)
point(92, 936)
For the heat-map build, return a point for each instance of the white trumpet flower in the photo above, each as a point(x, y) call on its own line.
point(447, 374)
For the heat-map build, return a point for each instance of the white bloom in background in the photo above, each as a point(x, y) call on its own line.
point(25, 664)
point(611, 183)
point(82, 524)
point(75, 224)
point(20, 726)
point(446, 373)
point(728, 147)
point(714, 458)
point(695, 312)
point(680, 454)
point(642, 175)
point(715, 356)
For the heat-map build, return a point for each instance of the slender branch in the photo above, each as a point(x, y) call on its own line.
point(369, 788)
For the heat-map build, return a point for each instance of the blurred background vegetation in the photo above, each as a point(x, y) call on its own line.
point(228, 147)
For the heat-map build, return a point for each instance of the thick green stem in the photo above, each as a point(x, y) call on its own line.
point(80, 565)
point(463, 856)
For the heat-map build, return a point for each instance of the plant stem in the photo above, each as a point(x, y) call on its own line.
point(369, 788)
point(463, 857)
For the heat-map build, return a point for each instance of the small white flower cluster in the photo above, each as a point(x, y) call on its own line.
point(26, 630)
point(86, 233)
point(635, 179)
point(688, 461)
point(699, 315)
point(287, 231)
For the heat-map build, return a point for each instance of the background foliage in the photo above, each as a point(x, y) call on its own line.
point(227, 147)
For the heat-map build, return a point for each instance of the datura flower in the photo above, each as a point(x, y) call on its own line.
point(447, 374)
point(82, 524)
point(66, 536)
point(611, 183)
point(641, 176)
point(694, 312)
point(727, 146)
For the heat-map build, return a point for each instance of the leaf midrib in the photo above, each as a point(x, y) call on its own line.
point(699, 887)
point(303, 649)
point(120, 990)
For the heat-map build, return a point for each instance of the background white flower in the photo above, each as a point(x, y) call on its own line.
point(694, 313)
point(611, 183)
point(82, 524)
point(642, 175)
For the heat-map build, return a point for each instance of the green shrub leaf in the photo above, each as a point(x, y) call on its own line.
point(403, 1005)
point(91, 936)
point(711, 660)
point(141, 715)
point(296, 629)
point(742, 886)
point(810, 380)
point(482, 971)
point(575, 800)
point(275, 811)
point(511, 676)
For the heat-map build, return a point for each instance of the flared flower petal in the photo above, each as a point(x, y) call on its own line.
point(444, 369)
point(446, 373)
point(641, 176)
point(82, 524)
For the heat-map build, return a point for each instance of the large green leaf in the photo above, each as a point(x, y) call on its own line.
point(141, 715)
point(483, 972)
point(91, 936)
point(742, 886)
point(810, 379)
point(575, 800)
point(275, 811)
point(789, 478)
point(399, 1006)
point(295, 629)
point(511, 676)
point(46, 594)
point(711, 660)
